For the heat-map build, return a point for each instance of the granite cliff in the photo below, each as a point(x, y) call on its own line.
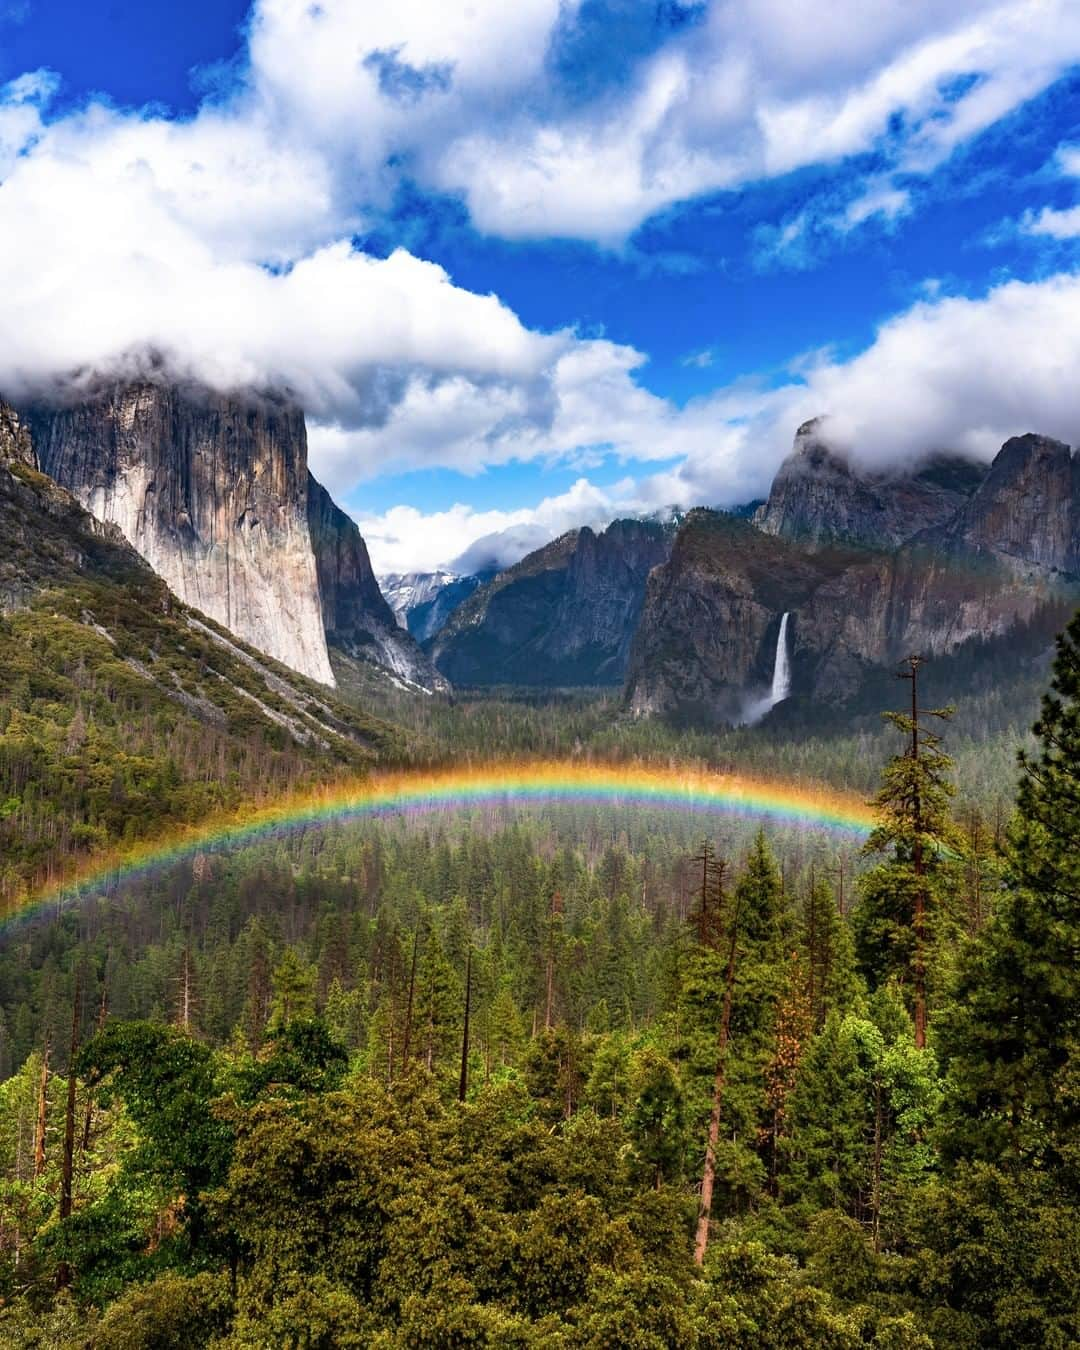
point(213, 490)
point(819, 497)
point(1007, 551)
point(356, 618)
point(564, 615)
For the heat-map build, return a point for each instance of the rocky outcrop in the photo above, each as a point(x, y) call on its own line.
point(1027, 510)
point(708, 629)
point(704, 648)
point(212, 492)
point(818, 498)
point(564, 615)
point(15, 444)
point(45, 535)
point(356, 616)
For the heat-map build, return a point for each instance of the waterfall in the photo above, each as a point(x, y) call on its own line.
point(781, 680)
point(781, 676)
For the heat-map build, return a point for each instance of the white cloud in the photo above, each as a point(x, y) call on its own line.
point(700, 360)
point(879, 199)
point(1068, 160)
point(1054, 224)
point(763, 89)
point(22, 102)
point(950, 373)
point(405, 539)
point(222, 241)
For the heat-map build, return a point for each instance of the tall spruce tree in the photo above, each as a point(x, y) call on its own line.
point(903, 905)
point(1014, 1037)
point(1004, 1227)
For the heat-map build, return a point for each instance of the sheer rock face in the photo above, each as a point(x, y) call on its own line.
point(212, 491)
point(564, 615)
point(708, 629)
point(707, 638)
point(15, 444)
point(46, 537)
point(355, 615)
point(817, 498)
point(1027, 511)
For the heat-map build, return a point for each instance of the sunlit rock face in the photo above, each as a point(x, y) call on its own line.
point(212, 491)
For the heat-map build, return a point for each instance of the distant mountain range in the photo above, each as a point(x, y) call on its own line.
point(683, 613)
point(423, 601)
point(564, 615)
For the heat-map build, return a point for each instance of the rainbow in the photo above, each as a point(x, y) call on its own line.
point(497, 784)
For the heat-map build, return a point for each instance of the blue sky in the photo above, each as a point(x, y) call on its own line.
point(531, 269)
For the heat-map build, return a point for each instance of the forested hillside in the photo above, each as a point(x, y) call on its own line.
point(566, 1080)
point(123, 712)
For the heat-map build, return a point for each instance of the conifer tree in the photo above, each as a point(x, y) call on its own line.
point(1014, 1037)
point(656, 1121)
point(293, 989)
point(903, 900)
point(831, 980)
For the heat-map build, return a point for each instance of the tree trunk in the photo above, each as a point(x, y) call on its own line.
point(42, 1112)
point(407, 1038)
point(918, 862)
point(88, 1119)
point(463, 1081)
point(708, 1176)
point(875, 1193)
point(67, 1171)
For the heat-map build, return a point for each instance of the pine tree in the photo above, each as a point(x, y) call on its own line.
point(656, 1121)
point(1014, 1037)
point(792, 1030)
point(832, 983)
point(903, 901)
point(293, 989)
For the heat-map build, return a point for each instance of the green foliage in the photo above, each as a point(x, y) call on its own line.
point(290, 1164)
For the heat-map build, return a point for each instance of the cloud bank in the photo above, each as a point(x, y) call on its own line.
point(224, 242)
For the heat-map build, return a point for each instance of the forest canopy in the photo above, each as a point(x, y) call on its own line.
point(566, 1077)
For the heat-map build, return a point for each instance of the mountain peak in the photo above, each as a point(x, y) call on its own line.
point(819, 497)
point(1027, 509)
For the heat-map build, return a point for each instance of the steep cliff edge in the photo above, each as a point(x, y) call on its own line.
point(705, 643)
point(356, 617)
point(1008, 553)
point(1026, 512)
point(564, 615)
point(212, 491)
point(819, 498)
point(15, 443)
